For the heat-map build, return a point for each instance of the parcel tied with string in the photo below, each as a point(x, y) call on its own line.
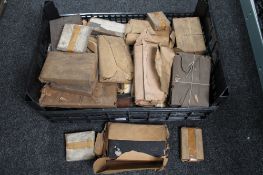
point(190, 80)
point(189, 35)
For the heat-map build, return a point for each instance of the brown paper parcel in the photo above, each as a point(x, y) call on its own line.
point(104, 96)
point(191, 145)
point(159, 21)
point(132, 160)
point(189, 35)
point(134, 28)
point(190, 82)
point(115, 62)
point(70, 69)
point(147, 84)
point(93, 44)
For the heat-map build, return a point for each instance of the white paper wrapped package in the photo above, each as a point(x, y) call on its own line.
point(106, 27)
point(80, 146)
point(74, 38)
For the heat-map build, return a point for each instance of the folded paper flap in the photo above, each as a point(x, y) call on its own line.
point(138, 156)
point(119, 44)
point(93, 44)
point(163, 63)
point(158, 37)
point(159, 64)
point(129, 161)
point(118, 131)
point(109, 68)
point(99, 144)
point(118, 58)
point(136, 26)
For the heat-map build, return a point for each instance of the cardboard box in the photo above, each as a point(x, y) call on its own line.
point(103, 96)
point(159, 21)
point(189, 35)
point(127, 147)
point(134, 28)
point(56, 28)
point(70, 69)
point(191, 145)
point(74, 38)
point(106, 27)
point(115, 62)
point(190, 82)
point(80, 146)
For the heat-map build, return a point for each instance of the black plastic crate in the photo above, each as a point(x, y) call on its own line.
point(218, 88)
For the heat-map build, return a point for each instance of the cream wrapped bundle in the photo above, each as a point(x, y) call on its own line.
point(74, 38)
point(80, 146)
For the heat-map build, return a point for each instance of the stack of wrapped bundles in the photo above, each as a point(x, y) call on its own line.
point(153, 60)
point(191, 69)
point(98, 63)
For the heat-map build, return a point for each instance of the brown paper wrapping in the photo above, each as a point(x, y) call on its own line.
point(191, 145)
point(190, 82)
point(189, 35)
point(115, 62)
point(104, 96)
